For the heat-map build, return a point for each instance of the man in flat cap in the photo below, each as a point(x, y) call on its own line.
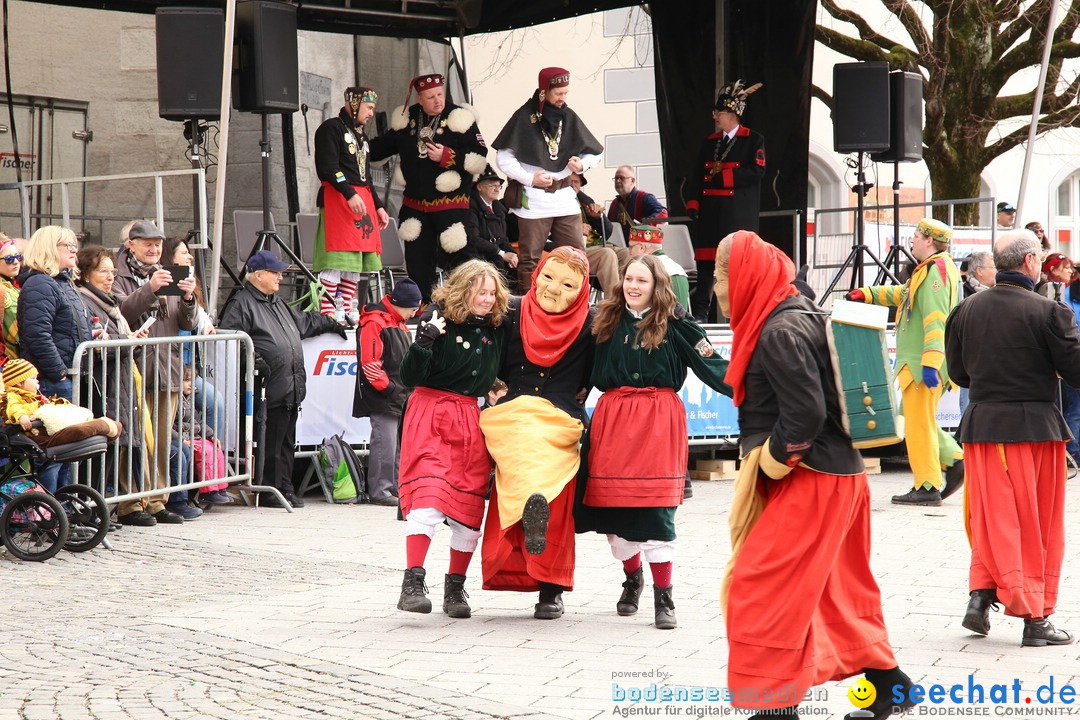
point(347, 242)
point(441, 150)
point(924, 303)
point(723, 187)
point(542, 144)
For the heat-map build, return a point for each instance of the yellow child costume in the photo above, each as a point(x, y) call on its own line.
point(63, 423)
point(924, 303)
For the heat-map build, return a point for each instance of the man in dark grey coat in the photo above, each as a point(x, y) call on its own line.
point(1008, 345)
point(276, 331)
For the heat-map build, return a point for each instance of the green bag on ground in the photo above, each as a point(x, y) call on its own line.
point(341, 465)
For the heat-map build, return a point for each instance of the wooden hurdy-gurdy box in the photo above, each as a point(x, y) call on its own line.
point(864, 377)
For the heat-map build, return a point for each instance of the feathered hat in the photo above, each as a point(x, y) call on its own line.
point(732, 97)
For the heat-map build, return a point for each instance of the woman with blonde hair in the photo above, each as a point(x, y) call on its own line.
point(645, 343)
point(52, 319)
point(445, 465)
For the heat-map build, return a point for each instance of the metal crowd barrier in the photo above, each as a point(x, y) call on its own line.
point(222, 365)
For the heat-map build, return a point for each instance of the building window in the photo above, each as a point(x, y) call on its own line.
point(1064, 197)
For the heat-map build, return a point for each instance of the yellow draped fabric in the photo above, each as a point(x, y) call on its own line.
point(535, 446)
point(746, 508)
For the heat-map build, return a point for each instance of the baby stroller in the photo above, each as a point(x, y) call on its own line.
point(35, 525)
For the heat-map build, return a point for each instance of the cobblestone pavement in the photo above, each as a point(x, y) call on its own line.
point(249, 613)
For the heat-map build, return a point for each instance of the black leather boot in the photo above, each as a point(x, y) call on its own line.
point(414, 592)
point(631, 593)
point(931, 498)
point(884, 681)
point(665, 608)
point(454, 603)
point(954, 479)
point(1041, 632)
point(550, 606)
point(977, 617)
point(534, 522)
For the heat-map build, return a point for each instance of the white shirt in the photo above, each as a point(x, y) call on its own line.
point(543, 204)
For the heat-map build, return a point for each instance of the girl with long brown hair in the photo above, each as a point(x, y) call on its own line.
point(645, 344)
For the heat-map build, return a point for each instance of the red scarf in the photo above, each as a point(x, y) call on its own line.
point(547, 337)
point(759, 279)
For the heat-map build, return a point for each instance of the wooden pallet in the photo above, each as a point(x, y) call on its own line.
point(873, 465)
point(715, 470)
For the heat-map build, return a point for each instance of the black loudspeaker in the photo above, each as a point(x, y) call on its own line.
point(905, 145)
point(861, 107)
point(266, 74)
point(190, 45)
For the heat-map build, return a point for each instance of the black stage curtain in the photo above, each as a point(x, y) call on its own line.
point(772, 41)
point(769, 41)
point(684, 63)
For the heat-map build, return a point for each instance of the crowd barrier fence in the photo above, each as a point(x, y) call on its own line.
point(133, 381)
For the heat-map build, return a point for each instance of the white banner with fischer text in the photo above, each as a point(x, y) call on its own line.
point(331, 383)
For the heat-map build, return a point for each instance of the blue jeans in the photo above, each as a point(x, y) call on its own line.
point(179, 462)
point(1071, 399)
point(964, 392)
point(215, 404)
point(54, 475)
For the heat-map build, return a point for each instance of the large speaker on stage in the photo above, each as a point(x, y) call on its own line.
point(190, 46)
point(905, 139)
point(266, 74)
point(861, 107)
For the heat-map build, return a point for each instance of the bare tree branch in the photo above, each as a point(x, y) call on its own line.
point(912, 23)
point(1068, 117)
point(816, 92)
point(865, 31)
point(846, 45)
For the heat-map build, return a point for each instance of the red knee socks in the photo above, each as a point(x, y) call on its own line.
point(632, 565)
point(661, 574)
point(416, 547)
point(459, 561)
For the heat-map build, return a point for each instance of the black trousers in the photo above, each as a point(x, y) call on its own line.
point(279, 444)
point(703, 303)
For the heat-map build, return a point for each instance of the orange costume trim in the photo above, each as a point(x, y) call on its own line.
point(1016, 516)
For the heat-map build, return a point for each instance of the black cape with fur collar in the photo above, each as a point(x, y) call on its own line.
point(522, 135)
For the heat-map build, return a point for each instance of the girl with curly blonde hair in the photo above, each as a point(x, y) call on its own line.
point(445, 464)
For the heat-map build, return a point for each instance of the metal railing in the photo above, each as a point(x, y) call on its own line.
point(133, 380)
point(199, 216)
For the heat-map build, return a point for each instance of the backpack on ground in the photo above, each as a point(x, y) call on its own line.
point(341, 466)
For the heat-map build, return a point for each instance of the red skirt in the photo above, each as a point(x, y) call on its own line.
point(507, 566)
point(804, 607)
point(345, 230)
point(444, 462)
point(1016, 505)
point(638, 449)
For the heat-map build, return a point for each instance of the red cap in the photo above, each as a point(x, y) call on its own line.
point(420, 83)
point(1052, 261)
point(551, 77)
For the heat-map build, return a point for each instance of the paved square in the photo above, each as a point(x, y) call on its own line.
point(249, 613)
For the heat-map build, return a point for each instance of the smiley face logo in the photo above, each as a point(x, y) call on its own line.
point(862, 693)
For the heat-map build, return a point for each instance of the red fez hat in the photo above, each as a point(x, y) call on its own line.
point(420, 83)
point(551, 77)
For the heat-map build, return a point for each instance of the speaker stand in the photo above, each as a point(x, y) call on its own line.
point(897, 252)
point(854, 260)
point(267, 236)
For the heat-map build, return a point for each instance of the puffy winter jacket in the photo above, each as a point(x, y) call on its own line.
point(381, 343)
point(52, 322)
point(276, 331)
